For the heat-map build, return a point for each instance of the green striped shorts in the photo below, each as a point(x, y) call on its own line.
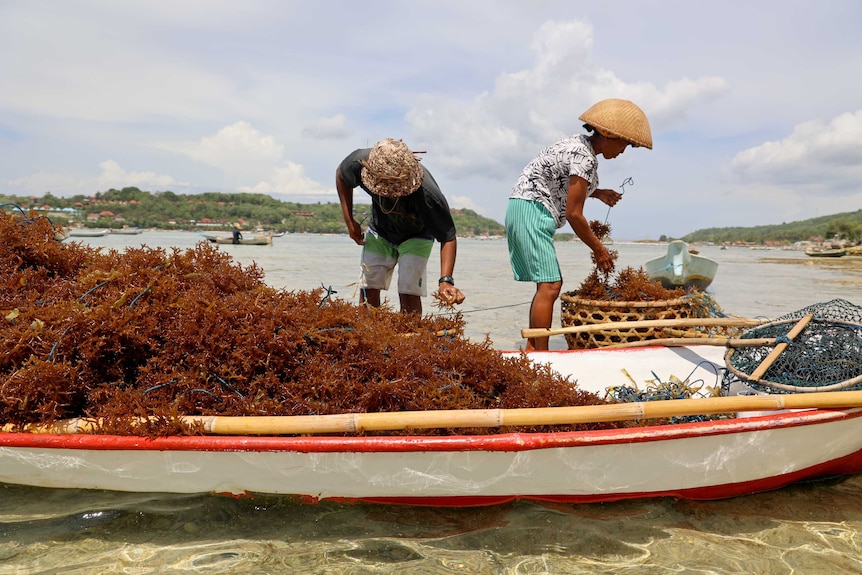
point(530, 232)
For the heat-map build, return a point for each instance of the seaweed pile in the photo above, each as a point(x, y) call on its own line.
point(631, 295)
point(156, 334)
point(630, 284)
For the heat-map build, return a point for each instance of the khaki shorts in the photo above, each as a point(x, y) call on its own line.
point(379, 258)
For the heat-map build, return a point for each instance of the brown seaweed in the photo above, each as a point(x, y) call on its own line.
point(156, 333)
point(629, 284)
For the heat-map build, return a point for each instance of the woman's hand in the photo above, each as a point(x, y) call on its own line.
point(604, 263)
point(609, 197)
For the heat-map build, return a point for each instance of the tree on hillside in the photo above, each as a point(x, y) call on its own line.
point(844, 229)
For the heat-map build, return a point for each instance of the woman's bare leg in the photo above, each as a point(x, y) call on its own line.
point(542, 311)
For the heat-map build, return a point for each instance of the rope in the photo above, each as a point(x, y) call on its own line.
point(627, 182)
point(484, 309)
point(658, 390)
point(328, 297)
point(23, 212)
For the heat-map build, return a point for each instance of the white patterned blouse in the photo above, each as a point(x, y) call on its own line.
point(546, 178)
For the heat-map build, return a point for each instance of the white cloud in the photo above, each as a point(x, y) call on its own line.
point(463, 203)
point(238, 150)
point(531, 108)
point(111, 176)
point(248, 155)
point(480, 85)
point(816, 154)
point(114, 176)
point(43, 182)
point(292, 182)
point(328, 128)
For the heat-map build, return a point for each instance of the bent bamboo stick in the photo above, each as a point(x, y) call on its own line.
point(406, 420)
point(773, 355)
point(681, 341)
point(679, 322)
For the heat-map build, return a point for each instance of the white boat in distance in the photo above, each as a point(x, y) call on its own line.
point(679, 267)
point(712, 459)
point(87, 232)
point(126, 231)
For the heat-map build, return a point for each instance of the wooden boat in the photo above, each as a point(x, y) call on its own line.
point(211, 236)
point(246, 240)
point(681, 268)
point(767, 449)
point(126, 231)
point(227, 238)
point(825, 252)
point(87, 232)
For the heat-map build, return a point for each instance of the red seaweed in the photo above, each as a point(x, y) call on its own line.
point(156, 333)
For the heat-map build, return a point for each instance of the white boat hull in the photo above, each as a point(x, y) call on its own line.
point(699, 460)
point(87, 233)
point(680, 268)
point(705, 460)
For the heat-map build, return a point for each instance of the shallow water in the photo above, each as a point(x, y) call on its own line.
point(749, 282)
point(809, 528)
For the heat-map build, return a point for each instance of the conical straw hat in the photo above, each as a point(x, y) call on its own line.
point(620, 119)
point(391, 169)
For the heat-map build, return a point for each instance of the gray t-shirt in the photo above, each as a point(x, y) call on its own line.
point(546, 178)
point(423, 214)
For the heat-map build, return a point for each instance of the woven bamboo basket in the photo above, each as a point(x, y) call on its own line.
point(577, 311)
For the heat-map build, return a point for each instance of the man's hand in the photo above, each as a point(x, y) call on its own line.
point(451, 294)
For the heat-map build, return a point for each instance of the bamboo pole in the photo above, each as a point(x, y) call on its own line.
point(682, 341)
point(679, 322)
point(773, 355)
point(407, 420)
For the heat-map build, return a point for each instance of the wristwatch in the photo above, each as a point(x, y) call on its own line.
point(446, 280)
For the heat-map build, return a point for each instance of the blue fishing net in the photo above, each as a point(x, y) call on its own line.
point(824, 356)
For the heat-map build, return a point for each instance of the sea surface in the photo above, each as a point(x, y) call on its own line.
point(809, 528)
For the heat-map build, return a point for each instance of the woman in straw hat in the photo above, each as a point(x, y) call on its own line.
point(408, 212)
point(552, 190)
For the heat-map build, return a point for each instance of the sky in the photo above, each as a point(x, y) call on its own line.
point(755, 106)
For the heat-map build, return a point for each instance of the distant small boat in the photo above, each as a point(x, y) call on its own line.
point(211, 236)
point(246, 241)
point(126, 231)
point(87, 233)
point(825, 253)
point(681, 268)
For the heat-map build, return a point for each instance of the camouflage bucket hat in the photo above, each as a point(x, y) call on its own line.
point(391, 169)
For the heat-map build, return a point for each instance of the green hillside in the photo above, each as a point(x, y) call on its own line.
point(847, 226)
point(167, 210)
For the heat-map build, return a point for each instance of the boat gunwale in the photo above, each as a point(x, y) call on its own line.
point(506, 442)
